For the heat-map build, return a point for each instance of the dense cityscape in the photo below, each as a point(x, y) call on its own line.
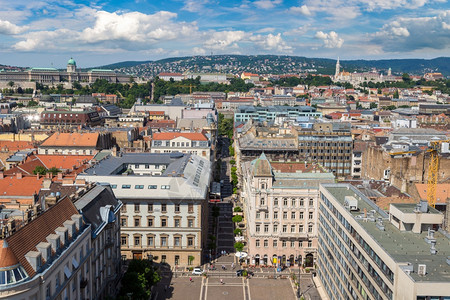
point(225, 150)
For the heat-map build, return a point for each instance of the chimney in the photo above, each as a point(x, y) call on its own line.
point(433, 250)
point(19, 175)
point(37, 176)
point(2, 175)
point(60, 176)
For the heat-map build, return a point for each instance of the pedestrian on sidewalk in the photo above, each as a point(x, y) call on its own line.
point(190, 279)
point(221, 281)
point(232, 265)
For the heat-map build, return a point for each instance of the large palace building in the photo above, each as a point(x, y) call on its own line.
point(52, 75)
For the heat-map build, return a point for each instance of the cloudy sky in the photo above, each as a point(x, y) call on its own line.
point(44, 33)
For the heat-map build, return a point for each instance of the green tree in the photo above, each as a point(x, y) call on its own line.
point(32, 103)
point(373, 105)
point(237, 231)
point(396, 94)
point(54, 171)
point(41, 170)
point(237, 219)
point(11, 83)
point(405, 77)
point(237, 209)
point(239, 246)
point(139, 279)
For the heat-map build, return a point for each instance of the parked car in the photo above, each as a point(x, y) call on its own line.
point(197, 271)
point(241, 271)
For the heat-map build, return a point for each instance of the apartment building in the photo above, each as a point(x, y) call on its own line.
point(48, 258)
point(76, 143)
point(165, 197)
point(366, 253)
point(269, 113)
point(281, 201)
point(185, 142)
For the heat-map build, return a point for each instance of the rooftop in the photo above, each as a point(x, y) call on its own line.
point(71, 140)
point(402, 246)
point(193, 136)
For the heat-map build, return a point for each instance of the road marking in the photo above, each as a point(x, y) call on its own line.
point(248, 289)
point(201, 291)
point(243, 288)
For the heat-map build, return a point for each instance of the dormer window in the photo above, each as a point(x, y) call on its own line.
point(263, 186)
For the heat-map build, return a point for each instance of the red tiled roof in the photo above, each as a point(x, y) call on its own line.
point(156, 113)
point(71, 140)
point(15, 146)
point(194, 136)
point(7, 257)
point(64, 162)
point(442, 191)
point(26, 186)
point(170, 74)
point(29, 236)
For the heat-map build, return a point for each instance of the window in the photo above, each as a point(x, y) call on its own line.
point(275, 228)
point(123, 222)
point(275, 243)
point(114, 186)
point(310, 215)
point(150, 241)
point(300, 228)
point(150, 222)
point(126, 186)
point(136, 207)
point(257, 243)
point(309, 244)
point(176, 241)
point(292, 228)
point(258, 228)
point(266, 243)
point(258, 215)
point(293, 215)
point(275, 202)
point(310, 228)
point(262, 202)
point(137, 240)
point(163, 241)
point(285, 202)
point(190, 241)
point(190, 208)
point(177, 207)
point(139, 187)
point(177, 222)
point(301, 215)
point(137, 222)
point(163, 222)
point(190, 222)
point(284, 228)
point(302, 202)
point(293, 202)
point(163, 207)
point(165, 187)
point(275, 215)
point(266, 228)
point(283, 244)
point(48, 292)
point(292, 244)
point(152, 187)
point(150, 207)
point(311, 202)
point(136, 166)
point(284, 214)
point(266, 215)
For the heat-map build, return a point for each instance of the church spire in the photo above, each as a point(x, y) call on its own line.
point(338, 68)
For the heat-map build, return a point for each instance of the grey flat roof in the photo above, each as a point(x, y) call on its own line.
point(402, 246)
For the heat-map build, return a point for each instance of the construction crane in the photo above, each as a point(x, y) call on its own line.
point(433, 149)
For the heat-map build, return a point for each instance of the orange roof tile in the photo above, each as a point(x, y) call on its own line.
point(30, 235)
point(15, 146)
point(71, 139)
point(442, 191)
point(194, 136)
point(26, 186)
point(64, 162)
point(7, 257)
point(156, 113)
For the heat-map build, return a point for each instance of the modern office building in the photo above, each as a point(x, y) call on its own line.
point(367, 253)
point(165, 198)
point(269, 113)
point(281, 201)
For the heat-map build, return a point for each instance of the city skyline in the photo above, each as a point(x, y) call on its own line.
point(45, 33)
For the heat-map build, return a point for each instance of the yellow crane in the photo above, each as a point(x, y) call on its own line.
point(433, 149)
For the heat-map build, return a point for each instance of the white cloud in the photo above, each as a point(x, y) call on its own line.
point(330, 40)
point(410, 34)
point(195, 5)
point(271, 42)
point(223, 39)
point(267, 4)
point(303, 10)
point(9, 28)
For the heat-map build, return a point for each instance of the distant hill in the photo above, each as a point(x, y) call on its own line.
point(278, 64)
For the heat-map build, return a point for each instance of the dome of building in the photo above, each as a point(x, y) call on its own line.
point(11, 271)
point(71, 62)
point(262, 167)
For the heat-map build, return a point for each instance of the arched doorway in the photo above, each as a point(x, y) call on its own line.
point(265, 259)
point(283, 260)
point(257, 259)
point(299, 260)
point(291, 260)
point(274, 259)
point(309, 260)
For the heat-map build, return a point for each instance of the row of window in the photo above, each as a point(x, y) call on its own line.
point(163, 241)
point(141, 187)
point(285, 201)
point(284, 228)
point(285, 215)
point(162, 207)
point(284, 243)
point(164, 222)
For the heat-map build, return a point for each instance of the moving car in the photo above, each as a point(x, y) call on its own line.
point(241, 271)
point(197, 271)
